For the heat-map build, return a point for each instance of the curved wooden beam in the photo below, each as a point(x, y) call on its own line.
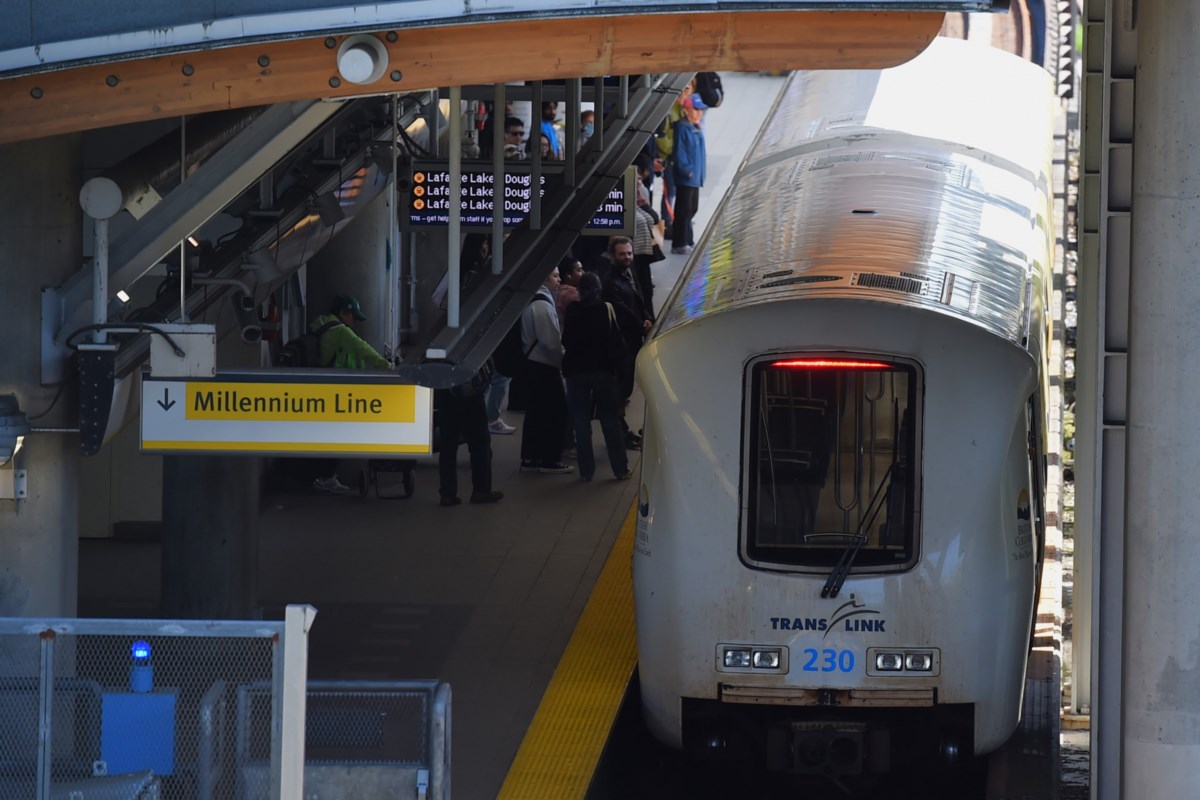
point(121, 92)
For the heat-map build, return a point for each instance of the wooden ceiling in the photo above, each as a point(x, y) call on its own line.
point(120, 92)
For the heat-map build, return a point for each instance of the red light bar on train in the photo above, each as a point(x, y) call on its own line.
point(830, 363)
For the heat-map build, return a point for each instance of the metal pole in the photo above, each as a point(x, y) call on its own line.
point(45, 715)
point(454, 245)
point(411, 271)
point(573, 93)
point(499, 186)
point(598, 110)
point(183, 315)
point(535, 177)
point(440, 743)
point(393, 261)
point(100, 279)
point(432, 115)
point(100, 199)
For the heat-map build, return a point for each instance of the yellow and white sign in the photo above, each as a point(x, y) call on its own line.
point(256, 414)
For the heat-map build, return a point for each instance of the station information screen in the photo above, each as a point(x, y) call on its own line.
point(429, 198)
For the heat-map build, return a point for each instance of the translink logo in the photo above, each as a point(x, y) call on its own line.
point(848, 616)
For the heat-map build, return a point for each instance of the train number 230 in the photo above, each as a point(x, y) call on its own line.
point(828, 660)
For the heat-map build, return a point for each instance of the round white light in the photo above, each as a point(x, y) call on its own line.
point(362, 59)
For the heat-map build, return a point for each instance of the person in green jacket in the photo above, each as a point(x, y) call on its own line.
point(340, 345)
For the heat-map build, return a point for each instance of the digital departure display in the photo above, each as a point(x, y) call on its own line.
point(429, 199)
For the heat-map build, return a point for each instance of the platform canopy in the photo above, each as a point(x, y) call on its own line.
point(80, 64)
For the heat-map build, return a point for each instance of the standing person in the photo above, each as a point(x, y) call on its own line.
point(514, 137)
point(341, 347)
point(571, 271)
point(689, 163)
point(595, 348)
point(634, 321)
point(546, 414)
point(646, 249)
point(549, 116)
point(462, 415)
point(665, 142)
point(495, 398)
point(587, 126)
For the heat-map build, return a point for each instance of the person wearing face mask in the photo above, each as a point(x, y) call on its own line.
point(689, 167)
point(587, 126)
point(549, 116)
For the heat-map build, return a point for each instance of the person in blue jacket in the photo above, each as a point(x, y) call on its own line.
point(689, 160)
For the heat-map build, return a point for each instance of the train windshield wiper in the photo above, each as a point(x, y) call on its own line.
point(833, 584)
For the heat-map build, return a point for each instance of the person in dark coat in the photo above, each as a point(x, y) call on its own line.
point(633, 318)
point(595, 348)
point(462, 415)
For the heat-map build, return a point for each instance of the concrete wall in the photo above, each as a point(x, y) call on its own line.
point(40, 242)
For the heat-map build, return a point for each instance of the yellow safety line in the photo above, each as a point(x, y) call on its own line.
point(563, 744)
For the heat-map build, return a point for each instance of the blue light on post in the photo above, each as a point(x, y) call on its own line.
point(141, 673)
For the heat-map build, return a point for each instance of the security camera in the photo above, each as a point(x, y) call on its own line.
point(244, 310)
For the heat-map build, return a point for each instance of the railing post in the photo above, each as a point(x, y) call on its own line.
point(287, 739)
point(45, 714)
point(439, 742)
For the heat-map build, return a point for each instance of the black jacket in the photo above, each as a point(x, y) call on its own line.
point(621, 292)
point(593, 342)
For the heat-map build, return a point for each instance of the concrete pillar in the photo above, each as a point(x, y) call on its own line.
point(356, 262)
point(40, 235)
point(1161, 646)
point(209, 539)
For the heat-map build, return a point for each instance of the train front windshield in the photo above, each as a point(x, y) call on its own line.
point(831, 457)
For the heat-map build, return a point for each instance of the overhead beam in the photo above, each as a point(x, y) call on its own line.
point(121, 92)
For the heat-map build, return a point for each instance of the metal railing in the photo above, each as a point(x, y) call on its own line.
point(206, 710)
point(93, 708)
point(387, 740)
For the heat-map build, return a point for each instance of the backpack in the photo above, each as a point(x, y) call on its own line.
point(479, 384)
point(708, 86)
point(510, 356)
point(304, 350)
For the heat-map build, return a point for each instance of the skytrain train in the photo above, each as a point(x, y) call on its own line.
point(840, 523)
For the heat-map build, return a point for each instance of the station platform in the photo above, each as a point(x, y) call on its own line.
point(484, 597)
point(524, 607)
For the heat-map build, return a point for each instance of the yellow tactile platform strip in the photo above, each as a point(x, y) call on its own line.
point(563, 744)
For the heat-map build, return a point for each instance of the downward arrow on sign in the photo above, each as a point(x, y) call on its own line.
point(166, 402)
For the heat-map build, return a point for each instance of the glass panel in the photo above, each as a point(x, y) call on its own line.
point(832, 452)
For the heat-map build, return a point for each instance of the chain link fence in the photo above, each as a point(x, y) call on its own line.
point(206, 710)
point(132, 709)
point(375, 740)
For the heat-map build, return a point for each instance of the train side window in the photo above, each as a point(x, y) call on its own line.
point(831, 462)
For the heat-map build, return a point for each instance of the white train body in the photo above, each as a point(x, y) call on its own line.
point(863, 321)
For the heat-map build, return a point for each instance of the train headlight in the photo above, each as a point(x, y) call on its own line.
point(918, 662)
point(766, 659)
point(737, 657)
point(889, 662)
point(902, 662)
